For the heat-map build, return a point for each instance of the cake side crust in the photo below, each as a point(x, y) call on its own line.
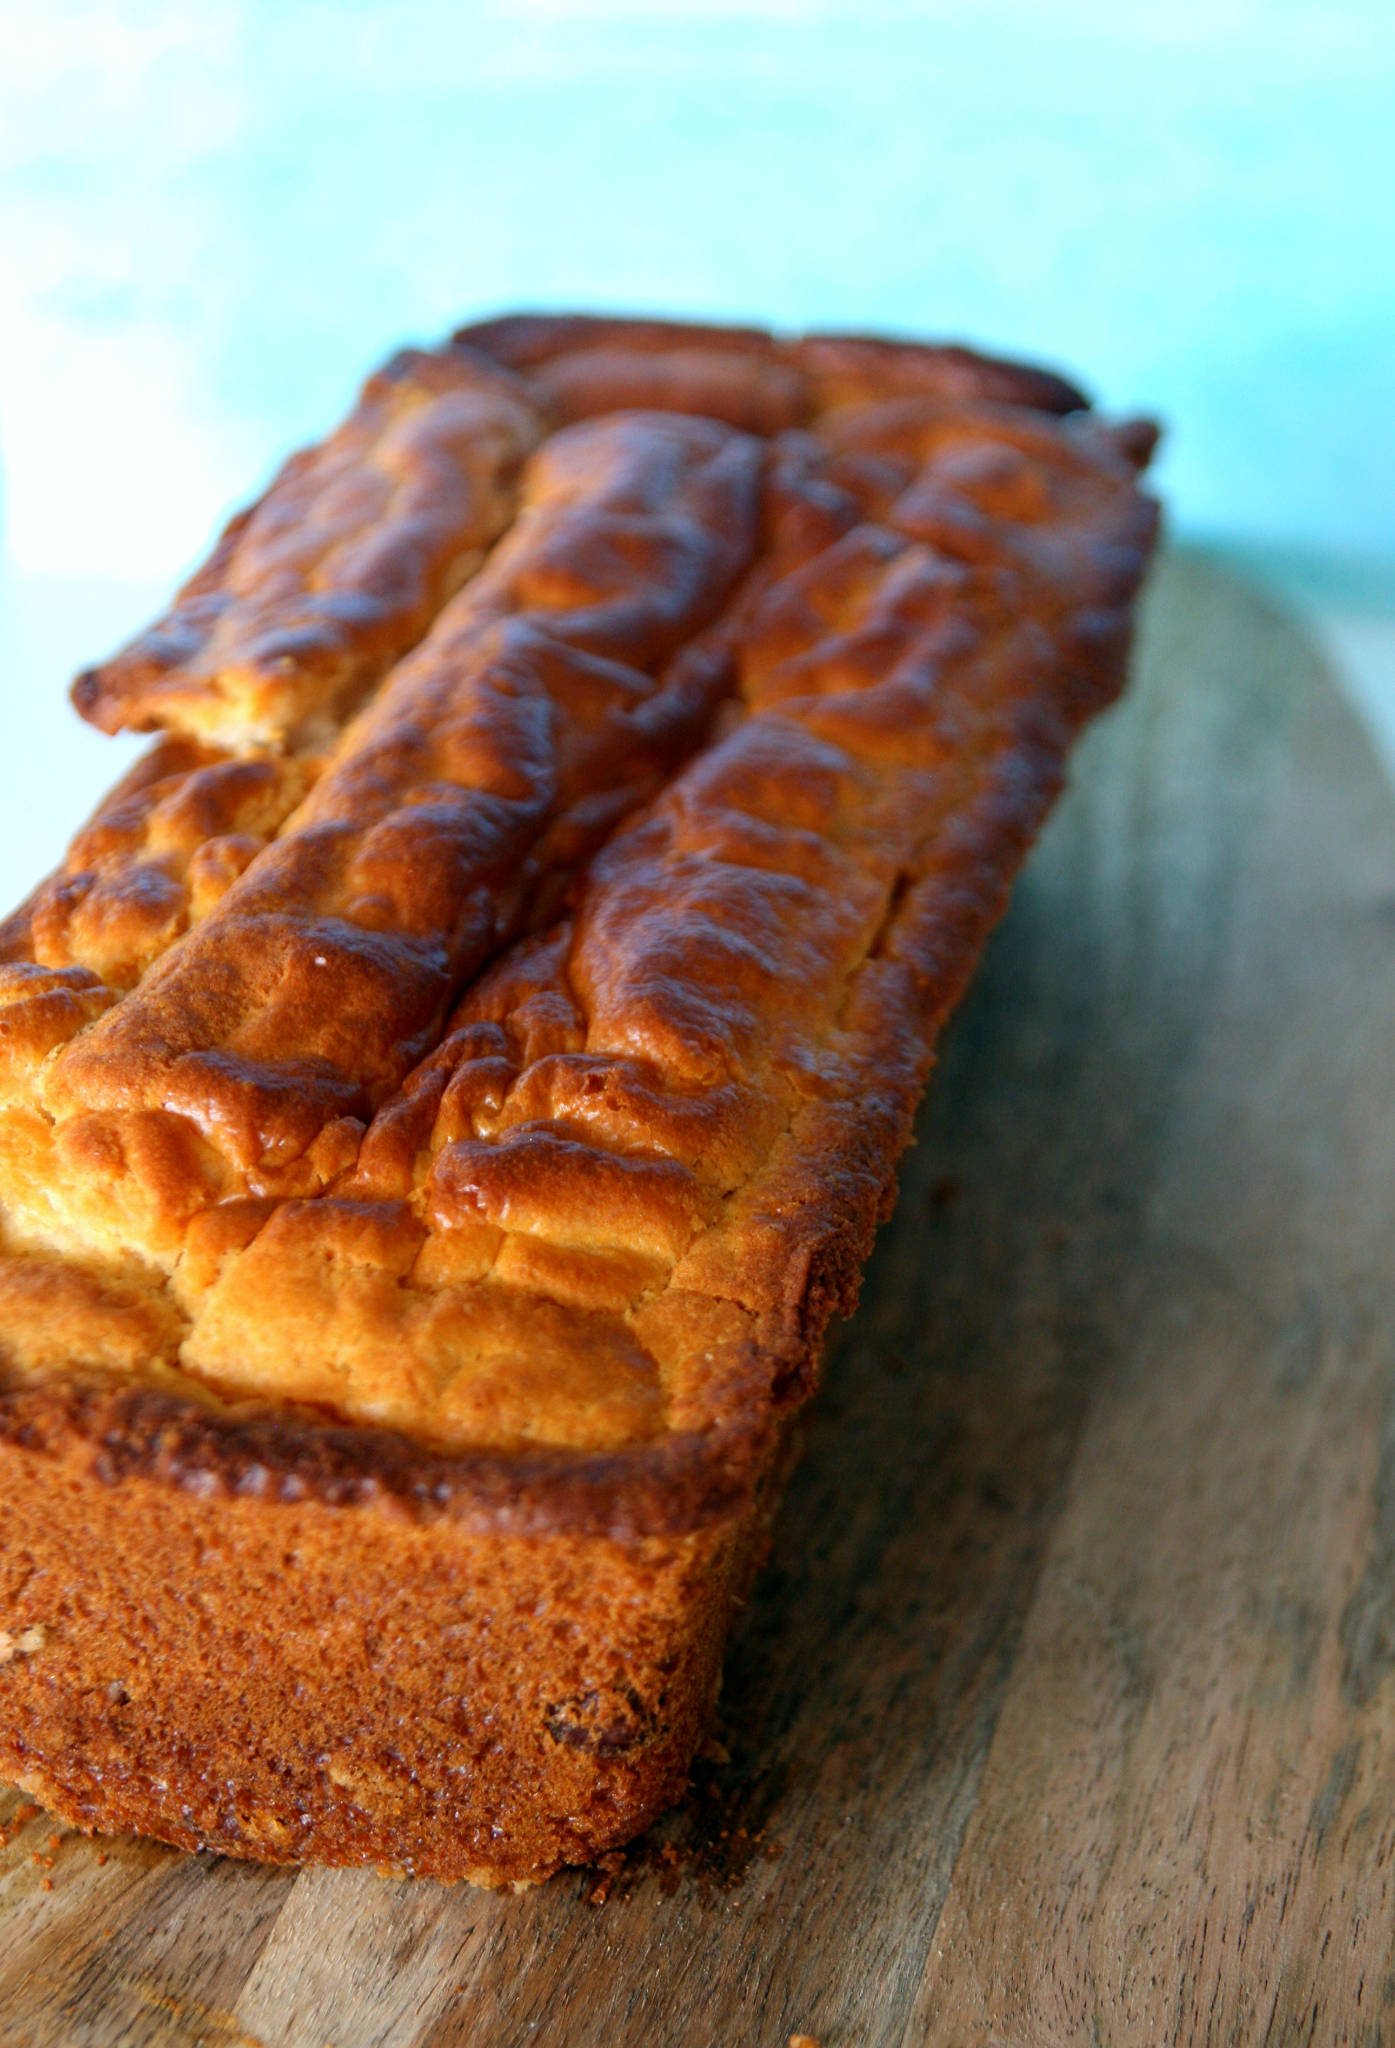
point(249, 1677)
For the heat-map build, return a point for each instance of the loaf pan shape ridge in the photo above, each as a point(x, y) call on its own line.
point(453, 1082)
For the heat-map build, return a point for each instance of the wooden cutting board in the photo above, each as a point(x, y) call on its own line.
point(1065, 1713)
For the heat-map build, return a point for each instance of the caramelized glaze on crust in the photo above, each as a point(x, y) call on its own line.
point(549, 697)
point(451, 1132)
point(314, 591)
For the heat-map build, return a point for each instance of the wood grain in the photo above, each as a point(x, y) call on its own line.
point(1065, 1712)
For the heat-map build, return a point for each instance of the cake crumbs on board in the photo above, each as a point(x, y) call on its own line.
point(702, 1839)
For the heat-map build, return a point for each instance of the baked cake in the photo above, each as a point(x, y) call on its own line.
point(453, 1081)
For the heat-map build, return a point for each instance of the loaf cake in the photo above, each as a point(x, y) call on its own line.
point(453, 1081)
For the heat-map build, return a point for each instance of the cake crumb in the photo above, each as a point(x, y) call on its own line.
point(803, 2041)
point(22, 1645)
point(610, 1868)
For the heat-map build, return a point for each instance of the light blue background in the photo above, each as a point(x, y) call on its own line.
point(215, 215)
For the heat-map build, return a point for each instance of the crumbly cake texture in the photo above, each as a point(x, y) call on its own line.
point(453, 1082)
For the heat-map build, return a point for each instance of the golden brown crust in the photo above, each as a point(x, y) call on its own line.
point(548, 699)
point(748, 391)
point(524, 341)
point(860, 369)
point(162, 849)
point(450, 1703)
point(835, 368)
point(313, 592)
point(479, 1169)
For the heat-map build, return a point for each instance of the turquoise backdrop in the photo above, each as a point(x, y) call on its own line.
point(215, 216)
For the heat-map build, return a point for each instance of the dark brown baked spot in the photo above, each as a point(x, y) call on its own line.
point(606, 1721)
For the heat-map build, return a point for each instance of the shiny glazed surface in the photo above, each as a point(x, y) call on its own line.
point(522, 1059)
